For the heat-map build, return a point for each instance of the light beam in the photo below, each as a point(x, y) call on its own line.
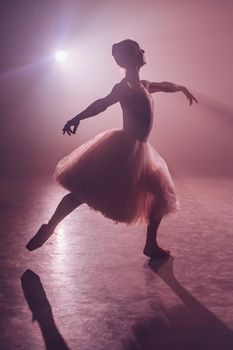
point(61, 56)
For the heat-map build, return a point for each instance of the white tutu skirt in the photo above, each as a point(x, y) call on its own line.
point(123, 178)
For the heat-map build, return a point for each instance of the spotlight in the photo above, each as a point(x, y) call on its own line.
point(61, 56)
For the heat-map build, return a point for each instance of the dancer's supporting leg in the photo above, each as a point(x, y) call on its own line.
point(68, 203)
point(152, 249)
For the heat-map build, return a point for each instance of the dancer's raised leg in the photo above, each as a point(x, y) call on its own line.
point(68, 203)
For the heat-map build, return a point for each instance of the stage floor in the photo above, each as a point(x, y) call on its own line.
point(90, 287)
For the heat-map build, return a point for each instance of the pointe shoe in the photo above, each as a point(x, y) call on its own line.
point(40, 237)
point(157, 253)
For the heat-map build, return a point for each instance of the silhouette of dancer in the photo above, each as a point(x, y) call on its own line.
point(118, 172)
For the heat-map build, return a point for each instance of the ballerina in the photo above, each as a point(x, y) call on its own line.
point(118, 172)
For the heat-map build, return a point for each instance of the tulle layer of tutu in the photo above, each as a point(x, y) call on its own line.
point(123, 178)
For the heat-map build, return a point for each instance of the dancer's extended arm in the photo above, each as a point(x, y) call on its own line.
point(169, 87)
point(95, 108)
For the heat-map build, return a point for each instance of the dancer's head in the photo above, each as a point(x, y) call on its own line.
point(128, 54)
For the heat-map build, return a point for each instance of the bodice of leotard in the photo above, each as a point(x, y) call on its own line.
point(137, 106)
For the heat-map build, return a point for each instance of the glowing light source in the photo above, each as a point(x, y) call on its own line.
point(61, 56)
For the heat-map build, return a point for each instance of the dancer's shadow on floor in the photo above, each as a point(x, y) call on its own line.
point(188, 327)
point(41, 310)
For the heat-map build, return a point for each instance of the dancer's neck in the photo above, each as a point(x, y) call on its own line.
point(132, 75)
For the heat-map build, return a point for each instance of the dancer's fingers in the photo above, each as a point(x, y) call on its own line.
point(75, 128)
point(70, 129)
point(190, 99)
point(66, 131)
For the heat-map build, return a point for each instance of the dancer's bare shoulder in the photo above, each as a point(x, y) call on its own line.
point(152, 87)
point(115, 95)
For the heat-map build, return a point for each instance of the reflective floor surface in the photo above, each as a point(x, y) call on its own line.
point(90, 287)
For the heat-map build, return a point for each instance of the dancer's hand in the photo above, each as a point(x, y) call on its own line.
point(189, 96)
point(71, 127)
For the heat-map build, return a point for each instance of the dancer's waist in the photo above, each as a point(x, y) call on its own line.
point(138, 136)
